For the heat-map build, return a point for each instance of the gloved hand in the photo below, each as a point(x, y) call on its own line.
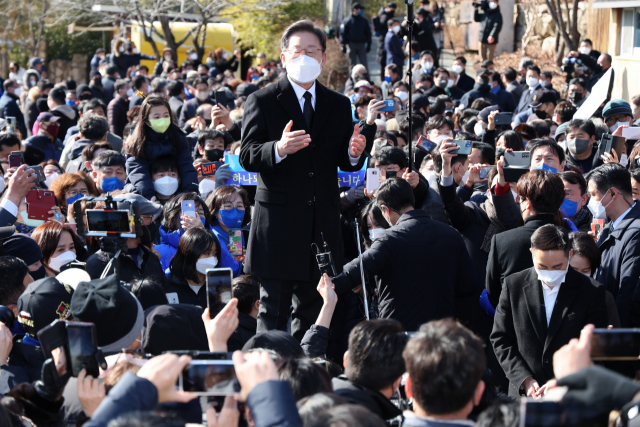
point(598, 388)
point(222, 175)
point(344, 48)
point(355, 193)
point(51, 386)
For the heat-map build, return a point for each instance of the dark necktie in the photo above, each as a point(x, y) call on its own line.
point(307, 110)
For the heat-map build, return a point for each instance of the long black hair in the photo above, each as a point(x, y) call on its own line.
point(193, 243)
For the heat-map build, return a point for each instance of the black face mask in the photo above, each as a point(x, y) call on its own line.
point(541, 114)
point(214, 155)
point(575, 97)
point(39, 273)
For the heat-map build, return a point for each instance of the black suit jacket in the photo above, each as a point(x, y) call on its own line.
point(465, 83)
point(510, 254)
point(521, 339)
point(298, 198)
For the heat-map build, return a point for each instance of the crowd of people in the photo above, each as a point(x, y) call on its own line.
point(457, 285)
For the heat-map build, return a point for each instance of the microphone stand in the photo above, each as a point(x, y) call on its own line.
point(364, 285)
point(409, 4)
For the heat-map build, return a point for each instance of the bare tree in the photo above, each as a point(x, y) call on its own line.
point(566, 20)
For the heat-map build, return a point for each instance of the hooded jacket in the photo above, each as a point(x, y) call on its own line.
point(68, 118)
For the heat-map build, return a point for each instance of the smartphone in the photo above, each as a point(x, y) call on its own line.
point(596, 226)
point(209, 378)
point(517, 163)
point(389, 105)
point(82, 348)
point(218, 278)
point(221, 97)
point(373, 179)
point(39, 172)
point(484, 172)
point(189, 208)
point(11, 124)
point(209, 169)
point(425, 145)
point(631, 133)
point(503, 119)
point(464, 147)
point(608, 143)
point(39, 203)
point(15, 159)
point(547, 413)
point(235, 241)
point(615, 344)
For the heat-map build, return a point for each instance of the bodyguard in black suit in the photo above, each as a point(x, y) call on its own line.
point(295, 136)
point(535, 318)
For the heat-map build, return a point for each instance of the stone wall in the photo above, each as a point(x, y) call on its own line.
point(59, 70)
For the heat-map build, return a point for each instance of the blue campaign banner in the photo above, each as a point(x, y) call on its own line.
point(352, 179)
point(240, 176)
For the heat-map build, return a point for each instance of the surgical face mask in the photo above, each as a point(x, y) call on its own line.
point(303, 69)
point(160, 125)
point(545, 167)
point(478, 129)
point(442, 83)
point(166, 185)
point(387, 79)
point(206, 186)
point(232, 218)
point(585, 50)
point(430, 176)
point(569, 208)
point(194, 56)
point(360, 12)
point(202, 96)
point(30, 222)
point(50, 179)
point(75, 198)
point(532, 81)
point(450, 83)
point(121, 49)
point(624, 160)
point(575, 97)
point(493, 5)
point(32, 83)
point(463, 178)
point(595, 206)
point(206, 263)
point(578, 146)
point(403, 96)
point(396, 29)
point(427, 65)
point(611, 128)
point(438, 139)
point(552, 278)
point(17, 91)
point(56, 263)
point(457, 69)
point(111, 184)
point(374, 232)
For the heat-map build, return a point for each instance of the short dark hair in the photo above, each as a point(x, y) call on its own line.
point(395, 193)
point(119, 84)
point(510, 74)
point(45, 84)
point(543, 142)
point(8, 83)
point(109, 158)
point(246, 289)
point(437, 160)
point(149, 292)
point(547, 74)
point(501, 413)
point(88, 152)
point(9, 139)
point(375, 351)
point(583, 244)
point(167, 163)
point(390, 156)
point(193, 243)
point(13, 270)
point(565, 111)
point(210, 134)
point(393, 68)
point(92, 104)
point(460, 59)
point(58, 95)
point(305, 377)
point(487, 152)
point(586, 40)
point(578, 81)
point(545, 190)
point(610, 175)
point(176, 87)
point(582, 124)
point(305, 26)
point(158, 85)
point(445, 362)
point(550, 237)
point(139, 80)
point(575, 178)
point(348, 415)
point(93, 127)
point(534, 68)
point(541, 127)
point(441, 71)
point(417, 122)
point(436, 122)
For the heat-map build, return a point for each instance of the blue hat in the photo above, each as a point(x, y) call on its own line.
point(615, 107)
point(562, 129)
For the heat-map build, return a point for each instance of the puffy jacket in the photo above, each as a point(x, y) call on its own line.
point(138, 175)
point(490, 24)
point(117, 114)
point(355, 30)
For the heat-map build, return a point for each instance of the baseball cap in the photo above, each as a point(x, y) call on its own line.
point(47, 117)
point(43, 302)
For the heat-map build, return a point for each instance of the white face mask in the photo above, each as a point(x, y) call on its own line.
point(56, 263)
point(396, 29)
point(135, 50)
point(478, 129)
point(464, 178)
point(167, 57)
point(457, 69)
point(166, 185)
point(450, 83)
point(206, 186)
point(17, 91)
point(374, 232)
point(624, 160)
point(597, 210)
point(493, 5)
point(203, 264)
point(51, 178)
point(194, 56)
point(202, 96)
point(552, 278)
point(585, 50)
point(611, 128)
point(427, 66)
point(121, 49)
point(402, 95)
point(303, 69)
point(129, 92)
point(532, 81)
point(430, 176)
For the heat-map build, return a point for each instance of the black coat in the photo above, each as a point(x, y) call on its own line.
point(422, 265)
point(355, 29)
point(52, 149)
point(31, 112)
point(9, 108)
point(510, 254)
point(490, 24)
point(150, 268)
point(298, 198)
point(28, 357)
point(506, 101)
point(478, 91)
point(189, 110)
point(525, 99)
point(117, 115)
point(108, 87)
point(176, 103)
point(373, 400)
point(246, 329)
point(381, 27)
point(465, 82)
point(620, 267)
point(185, 294)
point(521, 339)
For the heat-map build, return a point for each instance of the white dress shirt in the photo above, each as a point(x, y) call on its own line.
point(300, 91)
point(550, 295)
point(9, 206)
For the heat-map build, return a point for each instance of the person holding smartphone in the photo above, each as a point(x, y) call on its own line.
point(229, 206)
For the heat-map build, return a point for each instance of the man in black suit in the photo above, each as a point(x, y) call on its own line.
point(541, 193)
point(464, 82)
point(541, 309)
point(296, 133)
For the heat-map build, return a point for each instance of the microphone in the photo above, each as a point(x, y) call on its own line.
point(409, 4)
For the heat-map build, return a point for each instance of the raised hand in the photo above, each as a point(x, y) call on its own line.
point(357, 143)
point(292, 142)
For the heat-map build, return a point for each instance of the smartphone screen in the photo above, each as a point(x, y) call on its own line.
point(425, 145)
point(373, 179)
point(631, 133)
point(209, 378)
point(484, 172)
point(218, 281)
point(464, 147)
point(389, 105)
point(235, 241)
point(108, 221)
point(82, 348)
point(615, 344)
point(189, 208)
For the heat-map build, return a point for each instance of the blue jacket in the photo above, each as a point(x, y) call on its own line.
point(51, 149)
point(138, 175)
point(506, 101)
point(393, 46)
point(169, 246)
point(478, 92)
point(9, 108)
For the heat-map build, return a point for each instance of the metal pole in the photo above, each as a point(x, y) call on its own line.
point(409, 75)
point(364, 285)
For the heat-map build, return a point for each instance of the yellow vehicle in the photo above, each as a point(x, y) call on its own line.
point(218, 35)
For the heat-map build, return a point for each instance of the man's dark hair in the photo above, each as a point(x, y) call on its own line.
point(88, 152)
point(247, 290)
point(390, 156)
point(311, 406)
point(93, 127)
point(375, 347)
point(510, 74)
point(583, 245)
point(610, 175)
point(586, 40)
point(480, 104)
point(445, 362)
point(575, 178)
point(158, 85)
point(436, 122)
point(195, 81)
point(541, 142)
point(495, 76)
point(175, 87)
point(440, 71)
point(139, 81)
point(551, 238)
point(437, 160)
point(110, 69)
point(109, 158)
point(487, 152)
point(13, 271)
point(565, 111)
point(166, 163)
point(541, 127)
point(578, 81)
point(547, 74)
point(304, 26)
point(8, 84)
point(210, 134)
point(45, 84)
point(608, 57)
point(9, 139)
point(348, 415)
point(305, 377)
point(58, 95)
point(119, 85)
point(393, 68)
point(417, 122)
point(396, 194)
point(582, 124)
point(534, 68)
point(92, 104)
point(545, 190)
point(149, 292)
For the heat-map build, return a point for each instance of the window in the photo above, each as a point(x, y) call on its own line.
point(630, 32)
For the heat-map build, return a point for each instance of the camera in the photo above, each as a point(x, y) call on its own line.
point(324, 259)
point(483, 4)
point(569, 64)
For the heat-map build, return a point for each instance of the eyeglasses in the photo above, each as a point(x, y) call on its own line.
point(74, 193)
point(309, 51)
point(612, 120)
point(228, 206)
